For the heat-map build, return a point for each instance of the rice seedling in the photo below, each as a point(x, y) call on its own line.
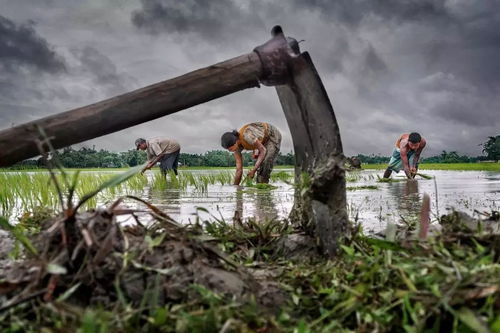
point(423, 175)
point(390, 180)
point(364, 187)
point(479, 166)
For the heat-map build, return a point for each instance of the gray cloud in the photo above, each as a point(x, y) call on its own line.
point(353, 13)
point(21, 46)
point(103, 71)
point(207, 19)
point(389, 66)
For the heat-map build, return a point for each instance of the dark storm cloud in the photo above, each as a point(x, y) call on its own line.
point(26, 61)
point(373, 62)
point(353, 12)
point(103, 71)
point(20, 45)
point(208, 19)
point(389, 66)
point(35, 81)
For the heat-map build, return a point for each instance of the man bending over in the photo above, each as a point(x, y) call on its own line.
point(406, 155)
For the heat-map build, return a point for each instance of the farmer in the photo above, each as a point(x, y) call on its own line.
point(165, 151)
point(406, 154)
point(263, 140)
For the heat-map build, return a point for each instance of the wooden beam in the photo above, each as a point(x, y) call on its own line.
point(136, 107)
point(319, 209)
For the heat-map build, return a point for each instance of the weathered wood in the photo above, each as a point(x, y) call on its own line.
point(320, 207)
point(157, 100)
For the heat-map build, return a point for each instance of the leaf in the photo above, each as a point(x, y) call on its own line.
point(348, 250)
point(407, 281)
point(4, 224)
point(160, 316)
point(469, 318)
point(154, 242)
point(163, 271)
point(56, 269)
point(68, 293)
point(383, 244)
point(495, 325)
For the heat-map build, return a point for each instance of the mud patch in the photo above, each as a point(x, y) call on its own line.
point(102, 263)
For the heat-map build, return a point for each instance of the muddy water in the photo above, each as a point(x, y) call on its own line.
point(467, 191)
point(223, 202)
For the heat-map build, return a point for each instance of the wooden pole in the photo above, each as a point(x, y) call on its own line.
point(114, 114)
point(320, 203)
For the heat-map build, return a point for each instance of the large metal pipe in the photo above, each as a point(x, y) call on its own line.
point(267, 63)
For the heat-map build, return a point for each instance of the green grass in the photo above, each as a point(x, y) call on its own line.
point(443, 284)
point(445, 166)
point(181, 168)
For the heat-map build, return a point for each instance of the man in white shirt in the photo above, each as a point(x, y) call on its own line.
point(165, 151)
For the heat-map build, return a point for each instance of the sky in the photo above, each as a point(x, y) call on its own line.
point(388, 66)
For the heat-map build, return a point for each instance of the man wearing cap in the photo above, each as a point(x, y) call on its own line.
point(406, 155)
point(165, 151)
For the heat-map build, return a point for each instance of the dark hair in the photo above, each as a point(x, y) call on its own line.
point(414, 137)
point(229, 138)
point(139, 141)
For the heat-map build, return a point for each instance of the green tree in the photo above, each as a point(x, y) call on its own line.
point(492, 148)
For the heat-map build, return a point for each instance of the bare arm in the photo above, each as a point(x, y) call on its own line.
point(239, 167)
point(260, 159)
point(417, 153)
point(153, 162)
point(403, 150)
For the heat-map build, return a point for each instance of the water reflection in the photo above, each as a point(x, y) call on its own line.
point(238, 209)
point(407, 199)
point(265, 207)
point(259, 204)
point(385, 202)
point(168, 200)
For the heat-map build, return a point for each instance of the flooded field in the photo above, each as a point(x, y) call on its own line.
point(207, 194)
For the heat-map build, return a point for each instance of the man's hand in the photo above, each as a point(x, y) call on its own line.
point(413, 172)
point(147, 167)
point(251, 173)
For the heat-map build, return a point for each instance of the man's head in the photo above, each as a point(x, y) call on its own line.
point(414, 140)
point(141, 144)
point(229, 140)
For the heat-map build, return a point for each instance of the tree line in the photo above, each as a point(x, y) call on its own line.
point(91, 158)
point(444, 157)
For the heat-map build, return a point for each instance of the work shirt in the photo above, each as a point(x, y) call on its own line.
point(161, 146)
point(252, 132)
